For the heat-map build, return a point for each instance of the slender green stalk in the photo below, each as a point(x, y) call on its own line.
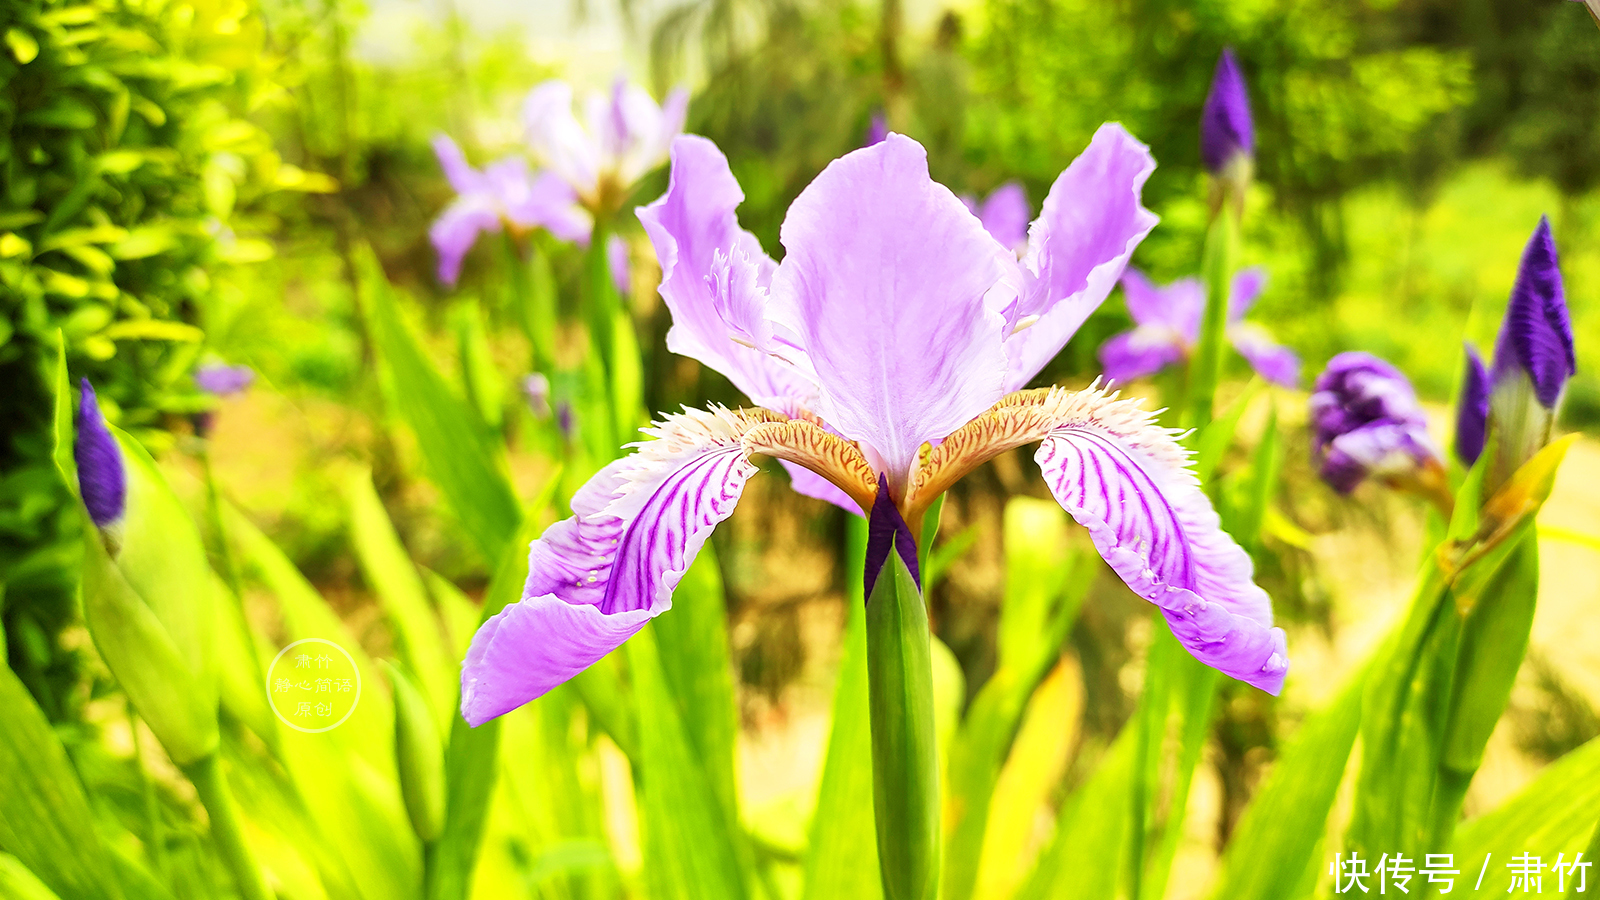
point(226, 831)
point(1217, 269)
point(905, 771)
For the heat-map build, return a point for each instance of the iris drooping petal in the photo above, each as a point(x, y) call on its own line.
point(714, 279)
point(542, 200)
point(102, 477)
point(1226, 129)
point(1275, 362)
point(1176, 307)
point(1536, 336)
point(1472, 411)
point(1247, 285)
point(1127, 481)
point(595, 579)
point(1090, 224)
point(1004, 215)
point(456, 229)
point(1144, 350)
point(884, 284)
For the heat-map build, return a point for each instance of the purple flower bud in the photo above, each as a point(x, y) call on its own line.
point(566, 420)
point(102, 480)
point(887, 529)
point(1366, 421)
point(1536, 335)
point(877, 130)
point(536, 388)
point(224, 380)
point(1472, 413)
point(1226, 130)
point(617, 259)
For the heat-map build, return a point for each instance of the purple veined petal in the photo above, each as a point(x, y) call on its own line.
point(456, 229)
point(885, 284)
point(1005, 216)
point(1242, 293)
point(807, 483)
point(558, 139)
point(1273, 361)
point(595, 579)
point(462, 177)
point(1177, 307)
point(691, 225)
point(1472, 410)
point(1128, 481)
point(1141, 351)
point(1226, 129)
point(1536, 335)
point(1090, 224)
point(102, 475)
point(619, 264)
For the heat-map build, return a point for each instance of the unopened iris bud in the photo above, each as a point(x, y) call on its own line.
point(887, 530)
point(1533, 357)
point(102, 477)
point(419, 757)
point(1227, 134)
point(1367, 422)
point(1472, 412)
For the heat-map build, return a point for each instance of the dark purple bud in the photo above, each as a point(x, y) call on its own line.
point(1536, 335)
point(1472, 413)
point(102, 481)
point(886, 529)
point(223, 380)
point(1365, 421)
point(566, 420)
point(877, 130)
point(1226, 130)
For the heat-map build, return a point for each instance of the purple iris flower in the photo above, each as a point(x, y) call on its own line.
point(1167, 328)
point(223, 380)
point(877, 129)
point(1536, 335)
point(102, 478)
point(623, 136)
point(503, 194)
point(1366, 421)
point(1226, 130)
point(1472, 411)
point(617, 260)
point(887, 352)
point(1004, 214)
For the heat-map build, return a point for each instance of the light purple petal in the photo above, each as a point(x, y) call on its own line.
point(1142, 351)
point(885, 283)
point(1275, 362)
point(1005, 215)
point(557, 139)
point(1247, 286)
point(541, 200)
point(595, 579)
point(807, 483)
point(1091, 222)
point(1177, 307)
point(877, 129)
point(462, 177)
point(457, 228)
point(1128, 482)
point(691, 226)
point(224, 380)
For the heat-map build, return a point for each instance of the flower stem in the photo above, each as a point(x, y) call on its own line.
point(1205, 371)
point(905, 773)
point(226, 830)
